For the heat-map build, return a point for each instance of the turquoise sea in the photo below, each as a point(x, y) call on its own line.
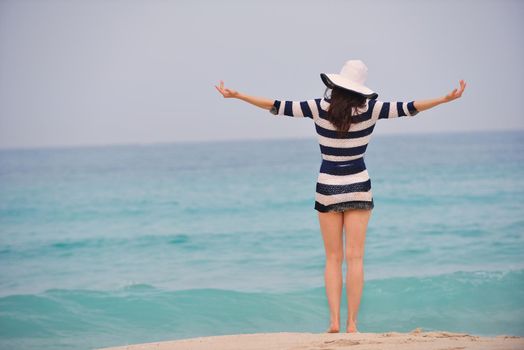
point(114, 245)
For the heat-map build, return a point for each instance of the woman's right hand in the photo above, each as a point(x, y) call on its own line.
point(456, 93)
point(227, 93)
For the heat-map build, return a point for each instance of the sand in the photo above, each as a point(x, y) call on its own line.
point(416, 339)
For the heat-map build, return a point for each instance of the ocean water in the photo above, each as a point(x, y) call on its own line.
point(114, 245)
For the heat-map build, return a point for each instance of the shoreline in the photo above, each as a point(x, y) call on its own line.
point(416, 339)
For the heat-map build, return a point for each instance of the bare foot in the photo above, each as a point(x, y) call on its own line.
point(352, 327)
point(333, 328)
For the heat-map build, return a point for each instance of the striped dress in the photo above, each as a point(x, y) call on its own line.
point(343, 181)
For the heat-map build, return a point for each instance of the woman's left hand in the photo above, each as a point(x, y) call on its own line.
point(227, 93)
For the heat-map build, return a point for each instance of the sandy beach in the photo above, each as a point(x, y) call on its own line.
point(416, 339)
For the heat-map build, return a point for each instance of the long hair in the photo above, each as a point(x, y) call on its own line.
point(343, 104)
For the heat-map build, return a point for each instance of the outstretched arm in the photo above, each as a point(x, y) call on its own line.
point(307, 108)
point(400, 109)
point(427, 104)
point(261, 102)
point(257, 101)
point(395, 109)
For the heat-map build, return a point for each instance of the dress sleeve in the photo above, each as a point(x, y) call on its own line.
point(396, 109)
point(307, 108)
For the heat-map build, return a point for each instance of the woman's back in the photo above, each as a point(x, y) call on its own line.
point(353, 143)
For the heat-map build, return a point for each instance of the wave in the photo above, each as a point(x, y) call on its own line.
point(482, 303)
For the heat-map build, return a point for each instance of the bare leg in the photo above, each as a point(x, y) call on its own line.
point(355, 223)
point(332, 225)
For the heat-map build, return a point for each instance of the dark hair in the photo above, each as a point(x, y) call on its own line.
point(342, 103)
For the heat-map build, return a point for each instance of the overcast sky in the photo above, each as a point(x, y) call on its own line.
point(111, 72)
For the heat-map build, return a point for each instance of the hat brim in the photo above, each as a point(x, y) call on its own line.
point(332, 80)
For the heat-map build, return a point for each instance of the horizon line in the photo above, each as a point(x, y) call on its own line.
point(174, 142)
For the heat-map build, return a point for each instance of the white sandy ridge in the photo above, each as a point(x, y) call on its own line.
point(416, 339)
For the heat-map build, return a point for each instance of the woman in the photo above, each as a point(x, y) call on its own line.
point(344, 121)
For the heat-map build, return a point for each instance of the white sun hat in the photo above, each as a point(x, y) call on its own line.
point(352, 77)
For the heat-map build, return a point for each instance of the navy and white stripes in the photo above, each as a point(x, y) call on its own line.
point(343, 180)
